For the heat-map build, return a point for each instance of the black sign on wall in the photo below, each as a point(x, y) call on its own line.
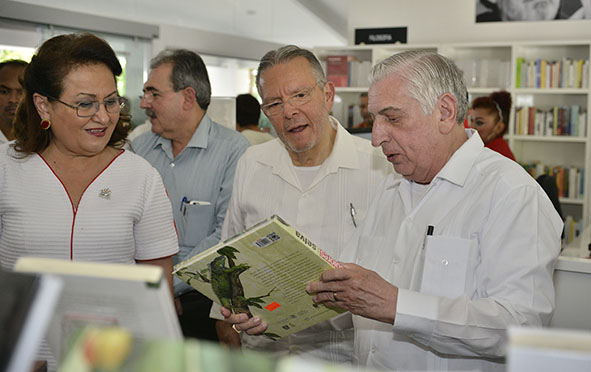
point(380, 35)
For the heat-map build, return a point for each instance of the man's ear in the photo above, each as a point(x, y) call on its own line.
point(329, 93)
point(42, 105)
point(447, 110)
point(189, 98)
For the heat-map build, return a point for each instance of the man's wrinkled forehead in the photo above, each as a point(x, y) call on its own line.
point(291, 79)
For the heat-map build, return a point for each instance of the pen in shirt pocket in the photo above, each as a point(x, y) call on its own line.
point(186, 202)
point(353, 213)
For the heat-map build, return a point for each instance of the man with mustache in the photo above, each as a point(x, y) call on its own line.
point(316, 176)
point(196, 158)
point(10, 94)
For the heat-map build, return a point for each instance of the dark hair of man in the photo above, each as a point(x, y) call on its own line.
point(286, 54)
point(498, 103)
point(13, 63)
point(188, 70)
point(45, 76)
point(248, 110)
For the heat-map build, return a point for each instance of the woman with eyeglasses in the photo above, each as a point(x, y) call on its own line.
point(67, 188)
point(490, 117)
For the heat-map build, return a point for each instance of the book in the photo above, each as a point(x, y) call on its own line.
point(263, 272)
point(28, 302)
point(135, 297)
point(337, 70)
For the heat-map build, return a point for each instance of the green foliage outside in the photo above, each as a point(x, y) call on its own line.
point(21, 53)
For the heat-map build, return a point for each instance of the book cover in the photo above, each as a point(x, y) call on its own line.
point(337, 70)
point(518, 63)
point(263, 272)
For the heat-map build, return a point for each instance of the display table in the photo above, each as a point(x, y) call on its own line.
point(572, 280)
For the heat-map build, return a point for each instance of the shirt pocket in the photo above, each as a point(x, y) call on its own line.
point(447, 266)
point(199, 220)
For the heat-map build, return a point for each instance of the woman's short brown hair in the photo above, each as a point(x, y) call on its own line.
point(45, 75)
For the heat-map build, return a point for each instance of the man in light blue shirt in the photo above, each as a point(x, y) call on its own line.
point(196, 158)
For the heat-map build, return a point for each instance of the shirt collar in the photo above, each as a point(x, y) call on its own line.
point(458, 167)
point(199, 138)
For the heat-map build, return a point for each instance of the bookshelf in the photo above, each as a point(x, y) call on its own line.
point(490, 67)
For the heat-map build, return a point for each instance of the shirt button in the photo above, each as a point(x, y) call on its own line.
point(373, 349)
point(444, 262)
point(172, 165)
point(396, 261)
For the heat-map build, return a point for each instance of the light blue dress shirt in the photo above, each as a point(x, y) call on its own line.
point(203, 173)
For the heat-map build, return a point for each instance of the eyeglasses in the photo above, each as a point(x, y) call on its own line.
point(151, 95)
point(87, 109)
point(300, 98)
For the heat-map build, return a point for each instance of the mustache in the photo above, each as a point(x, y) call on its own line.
point(150, 113)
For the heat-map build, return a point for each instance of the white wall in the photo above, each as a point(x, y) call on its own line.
point(212, 43)
point(432, 21)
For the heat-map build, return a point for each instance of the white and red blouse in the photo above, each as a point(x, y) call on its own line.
point(124, 215)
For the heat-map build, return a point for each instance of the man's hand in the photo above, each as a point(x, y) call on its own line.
point(242, 323)
point(363, 292)
point(227, 335)
point(178, 306)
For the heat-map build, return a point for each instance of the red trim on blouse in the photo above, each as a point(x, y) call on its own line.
point(75, 209)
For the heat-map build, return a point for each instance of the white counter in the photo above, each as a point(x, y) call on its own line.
point(572, 280)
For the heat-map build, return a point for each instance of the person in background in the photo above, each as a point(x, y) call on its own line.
point(584, 12)
point(248, 112)
point(11, 72)
point(67, 189)
point(367, 119)
point(519, 10)
point(316, 176)
point(196, 158)
point(490, 117)
point(456, 252)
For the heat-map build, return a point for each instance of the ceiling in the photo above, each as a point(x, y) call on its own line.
point(306, 23)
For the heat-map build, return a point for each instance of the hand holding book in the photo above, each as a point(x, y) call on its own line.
point(263, 273)
point(362, 292)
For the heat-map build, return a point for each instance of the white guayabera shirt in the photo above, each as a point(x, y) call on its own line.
point(488, 264)
point(267, 183)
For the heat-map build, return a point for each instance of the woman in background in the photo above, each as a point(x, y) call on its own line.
point(490, 117)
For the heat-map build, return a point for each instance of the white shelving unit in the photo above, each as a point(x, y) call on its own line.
point(491, 67)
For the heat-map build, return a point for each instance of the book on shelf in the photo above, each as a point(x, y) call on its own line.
point(28, 302)
point(347, 71)
point(570, 181)
point(263, 272)
point(337, 70)
point(135, 297)
point(560, 73)
point(556, 121)
point(573, 227)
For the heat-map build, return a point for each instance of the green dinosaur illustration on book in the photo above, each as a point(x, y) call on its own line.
point(226, 284)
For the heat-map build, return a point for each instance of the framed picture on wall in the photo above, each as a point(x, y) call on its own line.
point(531, 10)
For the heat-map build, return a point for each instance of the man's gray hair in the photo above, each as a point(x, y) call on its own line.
point(429, 76)
point(286, 54)
point(188, 70)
